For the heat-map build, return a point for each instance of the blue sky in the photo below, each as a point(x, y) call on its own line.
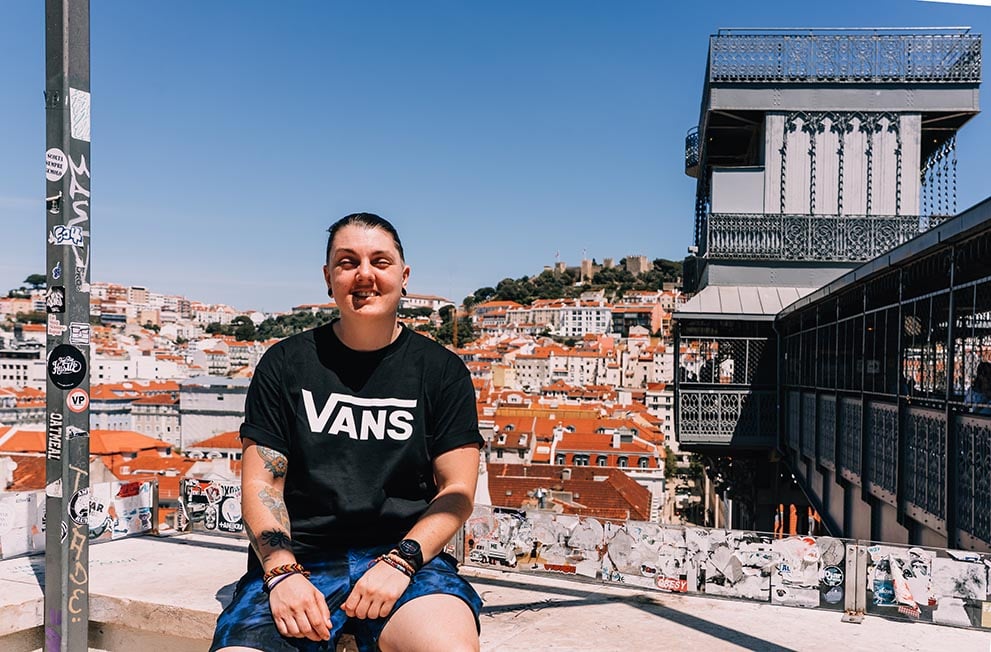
point(227, 136)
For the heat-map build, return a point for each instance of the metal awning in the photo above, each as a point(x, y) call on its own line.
point(740, 302)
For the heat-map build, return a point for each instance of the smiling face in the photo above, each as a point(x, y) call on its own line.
point(365, 272)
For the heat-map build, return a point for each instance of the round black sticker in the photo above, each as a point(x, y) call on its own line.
point(66, 366)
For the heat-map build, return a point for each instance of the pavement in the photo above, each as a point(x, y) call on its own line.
point(149, 593)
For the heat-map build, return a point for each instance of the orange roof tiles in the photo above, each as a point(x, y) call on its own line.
point(223, 440)
point(101, 442)
point(596, 492)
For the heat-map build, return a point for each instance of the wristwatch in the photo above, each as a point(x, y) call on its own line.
point(409, 550)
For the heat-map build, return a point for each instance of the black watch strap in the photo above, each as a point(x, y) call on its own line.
point(409, 550)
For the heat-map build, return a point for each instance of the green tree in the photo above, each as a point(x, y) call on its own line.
point(483, 294)
point(36, 281)
point(445, 333)
point(421, 311)
point(519, 290)
point(547, 285)
point(33, 317)
point(216, 328)
point(670, 463)
point(244, 328)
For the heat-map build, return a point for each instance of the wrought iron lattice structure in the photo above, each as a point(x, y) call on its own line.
point(847, 238)
point(726, 390)
point(844, 56)
point(692, 148)
point(896, 352)
point(939, 183)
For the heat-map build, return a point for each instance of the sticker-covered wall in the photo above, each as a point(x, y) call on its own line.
point(112, 510)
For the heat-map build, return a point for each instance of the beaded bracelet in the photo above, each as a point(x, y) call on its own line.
point(396, 557)
point(395, 564)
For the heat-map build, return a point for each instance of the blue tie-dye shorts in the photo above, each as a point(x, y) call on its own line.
point(247, 620)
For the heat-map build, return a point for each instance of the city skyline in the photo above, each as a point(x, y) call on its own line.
point(496, 138)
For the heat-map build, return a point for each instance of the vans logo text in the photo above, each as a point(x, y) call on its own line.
point(361, 418)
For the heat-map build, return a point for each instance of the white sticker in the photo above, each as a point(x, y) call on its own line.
point(231, 509)
point(54, 490)
point(55, 327)
point(55, 164)
point(66, 235)
point(79, 333)
point(79, 113)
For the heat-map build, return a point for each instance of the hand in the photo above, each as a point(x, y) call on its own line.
point(374, 595)
point(299, 609)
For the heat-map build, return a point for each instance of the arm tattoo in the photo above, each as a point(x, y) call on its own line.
point(276, 505)
point(276, 539)
point(273, 539)
point(275, 462)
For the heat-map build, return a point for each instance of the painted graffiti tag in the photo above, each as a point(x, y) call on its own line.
point(79, 194)
point(53, 633)
point(79, 576)
point(78, 595)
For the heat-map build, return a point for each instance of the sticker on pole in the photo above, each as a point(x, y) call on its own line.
point(55, 299)
point(55, 164)
point(77, 400)
point(79, 114)
point(79, 507)
point(66, 366)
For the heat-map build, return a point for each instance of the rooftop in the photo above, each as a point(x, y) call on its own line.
point(149, 592)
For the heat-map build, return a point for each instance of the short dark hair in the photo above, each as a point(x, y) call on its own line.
point(368, 221)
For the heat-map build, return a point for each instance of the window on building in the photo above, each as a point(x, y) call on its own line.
point(559, 458)
point(600, 460)
point(623, 462)
point(643, 462)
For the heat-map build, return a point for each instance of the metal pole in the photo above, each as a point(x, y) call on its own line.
point(67, 211)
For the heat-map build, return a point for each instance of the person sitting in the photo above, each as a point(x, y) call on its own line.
point(361, 452)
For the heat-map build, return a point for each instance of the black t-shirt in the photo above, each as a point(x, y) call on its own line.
point(360, 430)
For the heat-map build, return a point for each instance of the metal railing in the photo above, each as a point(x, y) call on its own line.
point(692, 149)
point(741, 417)
point(845, 56)
point(821, 238)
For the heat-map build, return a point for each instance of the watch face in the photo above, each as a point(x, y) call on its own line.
point(409, 547)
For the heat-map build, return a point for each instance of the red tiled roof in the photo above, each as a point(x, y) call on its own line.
point(158, 399)
point(223, 440)
point(29, 474)
point(597, 492)
point(101, 442)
